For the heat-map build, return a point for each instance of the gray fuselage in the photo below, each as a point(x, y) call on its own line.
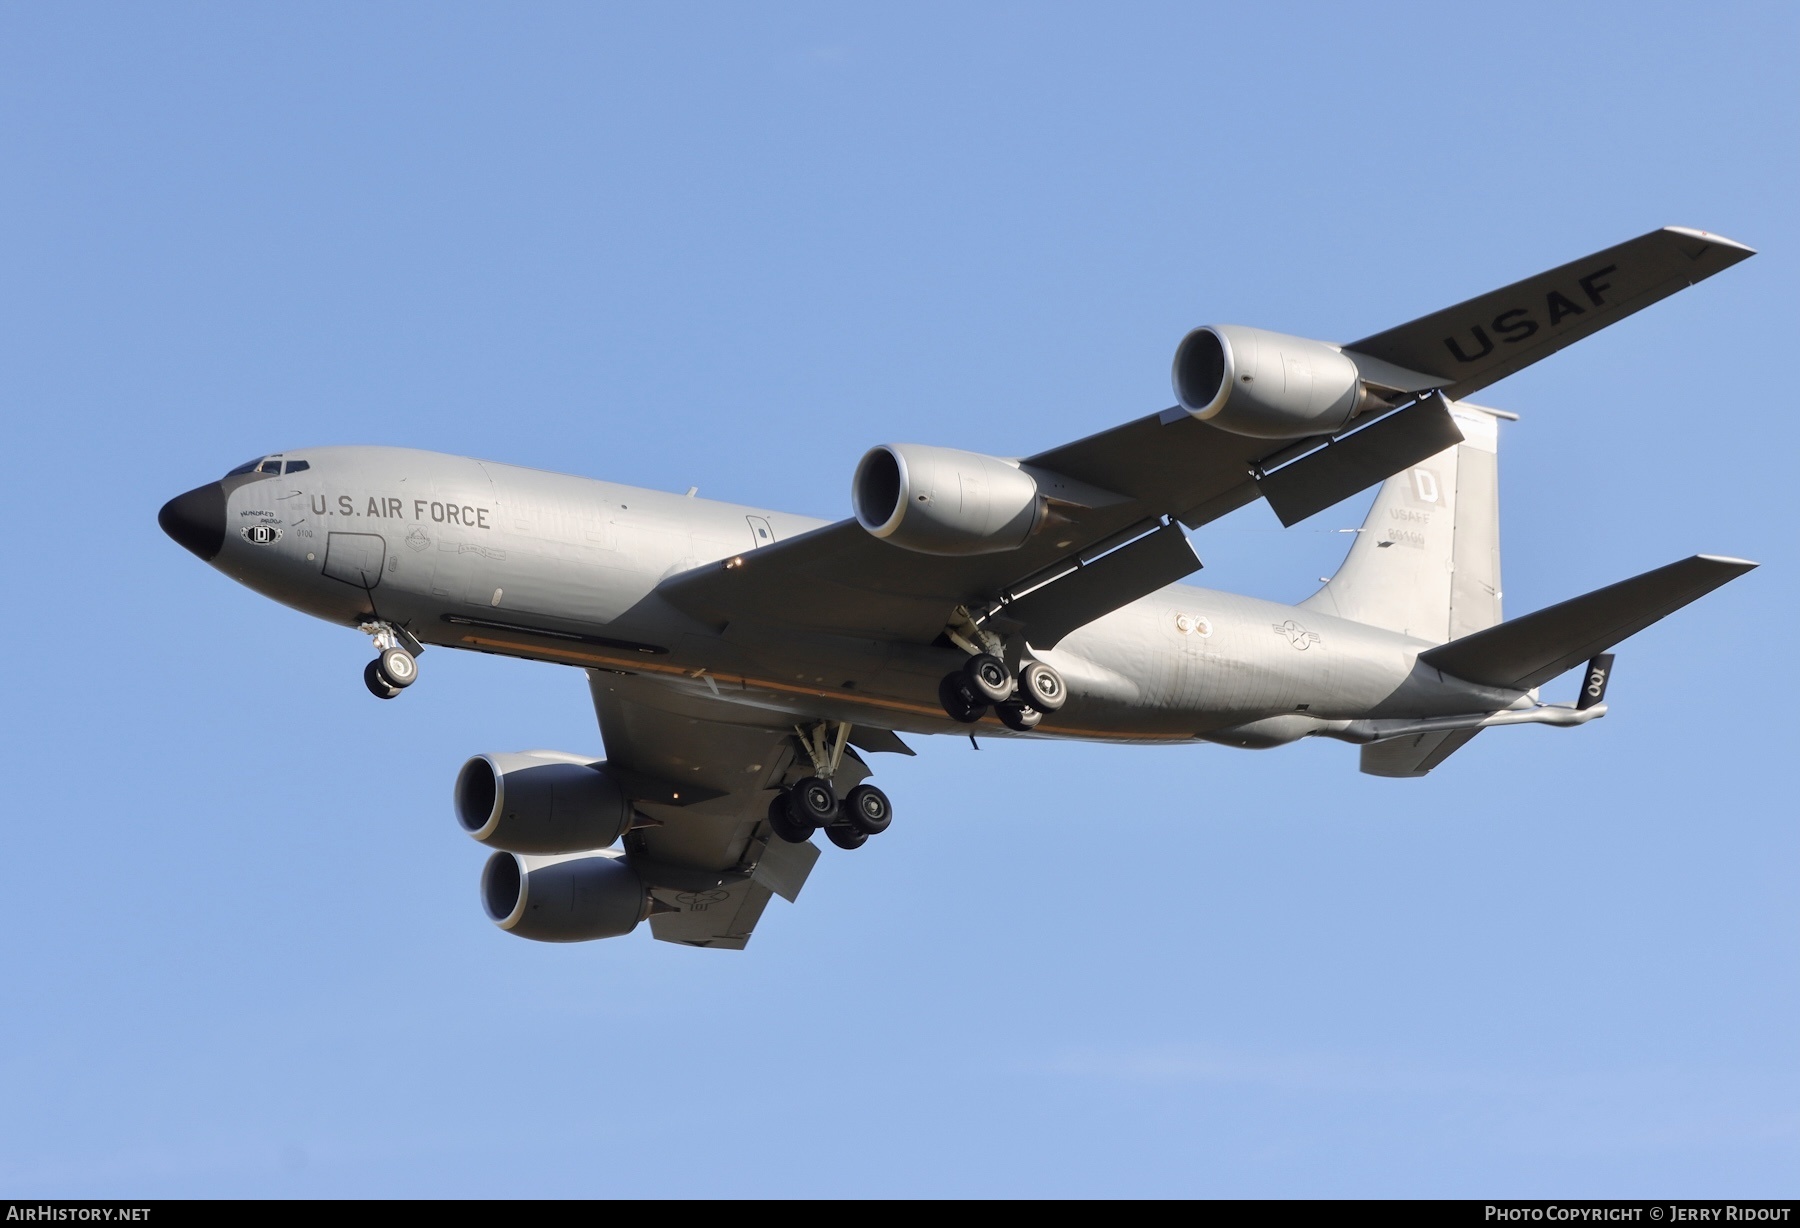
point(495, 558)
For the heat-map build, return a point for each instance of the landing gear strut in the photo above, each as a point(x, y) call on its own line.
point(812, 803)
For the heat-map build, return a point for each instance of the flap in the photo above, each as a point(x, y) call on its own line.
point(1357, 461)
point(1113, 580)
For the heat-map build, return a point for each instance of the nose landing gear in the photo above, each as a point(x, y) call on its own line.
point(378, 686)
point(397, 666)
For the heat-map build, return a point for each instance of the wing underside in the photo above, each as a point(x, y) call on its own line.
point(708, 774)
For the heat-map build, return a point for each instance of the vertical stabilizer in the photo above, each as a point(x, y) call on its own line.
point(1426, 562)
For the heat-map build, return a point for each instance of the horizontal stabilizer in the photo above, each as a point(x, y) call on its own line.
point(1414, 755)
point(1358, 461)
point(1527, 652)
point(1474, 343)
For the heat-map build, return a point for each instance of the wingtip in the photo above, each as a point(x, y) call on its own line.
point(1738, 565)
point(1715, 240)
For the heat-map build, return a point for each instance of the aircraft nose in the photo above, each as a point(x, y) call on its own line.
point(197, 520)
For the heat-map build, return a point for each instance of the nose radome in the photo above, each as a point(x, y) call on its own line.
point(197, 520)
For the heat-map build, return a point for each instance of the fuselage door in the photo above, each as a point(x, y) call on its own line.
point(760, 532)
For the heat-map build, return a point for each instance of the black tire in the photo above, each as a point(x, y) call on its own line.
point(986, 677)
point(1019, 717)
point(397, 668)
point(845, 836)
point(783, 825)
point(953, 693)
point(868, 810)
point(1042, 687)
point(378, 686)
point(812, 803)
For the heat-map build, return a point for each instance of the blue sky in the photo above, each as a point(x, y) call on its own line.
point(731, 247)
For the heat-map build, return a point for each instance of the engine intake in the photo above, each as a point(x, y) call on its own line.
point(942, 501)
point(563, 899)
point(1268, 385)
point(541, 802)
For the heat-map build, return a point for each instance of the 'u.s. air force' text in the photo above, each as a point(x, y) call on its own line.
point(386, 507)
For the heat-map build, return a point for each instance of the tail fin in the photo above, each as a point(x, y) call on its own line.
point(1426, 562)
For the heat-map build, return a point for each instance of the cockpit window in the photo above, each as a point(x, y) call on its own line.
point(297, 466)
point(272, 465)
point(247, 467)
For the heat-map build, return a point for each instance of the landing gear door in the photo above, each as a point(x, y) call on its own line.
point(760, 532)
point(355, 558)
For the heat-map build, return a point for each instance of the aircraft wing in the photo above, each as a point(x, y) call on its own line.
point(705, 782)
point(1111, 487)
point(1477, 342)
point(1117, 498)
point(1117, 495)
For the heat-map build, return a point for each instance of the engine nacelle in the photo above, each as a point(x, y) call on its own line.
point(563, 899)
point(541, 802)
point(1268, 385)
point(942, 501)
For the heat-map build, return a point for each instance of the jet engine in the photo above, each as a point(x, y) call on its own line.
point(541, 802)
point(563, 899)
point(942, 501)
point(1268, 385)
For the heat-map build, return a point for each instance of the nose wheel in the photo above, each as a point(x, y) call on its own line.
point(396, 666)
point(378, 686)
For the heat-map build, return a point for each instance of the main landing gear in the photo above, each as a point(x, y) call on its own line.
point(796, 813)
point(813, 803)
point(984, 682)
point(397, 666)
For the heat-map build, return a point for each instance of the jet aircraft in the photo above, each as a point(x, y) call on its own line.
point(743, 662)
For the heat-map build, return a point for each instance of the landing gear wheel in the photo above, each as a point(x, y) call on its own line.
point(845, 836)
point(378, 686)
point(813, 803)
point(868, 810)
point(783, 824)
point(1019, 717)
point(397, 668)
point(988, 679)
point(953, 693)
point(1042, 687)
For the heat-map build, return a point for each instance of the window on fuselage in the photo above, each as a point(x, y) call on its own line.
point(297, 466)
